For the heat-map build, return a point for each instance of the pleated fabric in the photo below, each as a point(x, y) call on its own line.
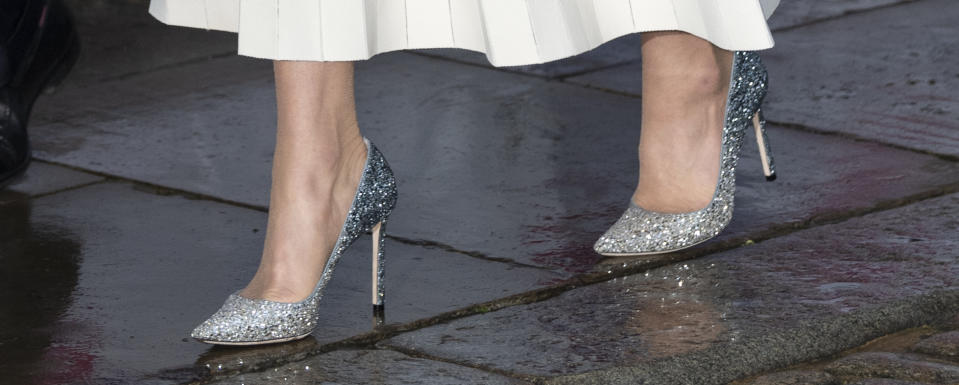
point(509, 32)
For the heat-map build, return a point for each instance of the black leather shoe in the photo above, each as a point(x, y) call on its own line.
point(36, 56)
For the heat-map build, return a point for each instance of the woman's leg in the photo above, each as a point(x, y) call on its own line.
point(317, 166)
point(685, 85)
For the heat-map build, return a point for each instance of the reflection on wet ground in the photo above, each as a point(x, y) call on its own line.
point(39, 261)
point(223, 360)
point(673, 323)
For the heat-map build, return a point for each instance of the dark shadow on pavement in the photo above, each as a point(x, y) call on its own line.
point(38, 274)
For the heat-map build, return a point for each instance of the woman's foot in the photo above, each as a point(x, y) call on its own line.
point(307, 211)
point(679, 213)
point(319, 160)
point(685, 86)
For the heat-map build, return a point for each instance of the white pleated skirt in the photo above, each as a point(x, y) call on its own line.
point(509, 32)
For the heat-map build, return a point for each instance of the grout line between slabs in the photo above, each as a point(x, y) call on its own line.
point(489, 369)
point(158, 189)
point(859, 138)
point(429, 244)
point(66, 189)
point(164, 190)
point(184, 63)
point(57, 191)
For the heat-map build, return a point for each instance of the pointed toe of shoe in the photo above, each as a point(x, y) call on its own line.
point(619, 246)
point(200, 333)
point(217, 329)
point(226, 326)
point(243, 321)
point(207, 331)
point(606, 246)
point(621, 237)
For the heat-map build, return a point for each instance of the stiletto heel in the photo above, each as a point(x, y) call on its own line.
point(639, 231)
point(765, 154)
point(379, 265)
point(249, 321)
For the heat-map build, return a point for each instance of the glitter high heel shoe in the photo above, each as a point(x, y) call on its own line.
point(641, 232)
point(246, 321)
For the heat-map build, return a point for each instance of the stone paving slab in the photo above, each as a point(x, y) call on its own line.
point(729, 315)
point(111, 279)
point(110, 49)
point(42, 178)
point(370, 367)
point(120, 98)
point(887, 75)
point(487, 161)
point(181, 128)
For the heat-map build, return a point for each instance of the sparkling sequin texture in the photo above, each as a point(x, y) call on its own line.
point(641, 231)
point(243, 321)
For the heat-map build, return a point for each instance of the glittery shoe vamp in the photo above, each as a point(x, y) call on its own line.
point(251, 320)
point(640, 231)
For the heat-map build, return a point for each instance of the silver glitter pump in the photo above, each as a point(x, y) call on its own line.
point(641, 232)
point(247, 321)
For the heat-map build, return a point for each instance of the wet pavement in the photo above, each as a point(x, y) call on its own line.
point(713, 305)
point(145, 205)
point(918, 356)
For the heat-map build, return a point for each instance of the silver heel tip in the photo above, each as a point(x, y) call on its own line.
point(379, 315)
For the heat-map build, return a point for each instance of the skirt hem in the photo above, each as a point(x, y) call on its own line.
point(552, 32)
